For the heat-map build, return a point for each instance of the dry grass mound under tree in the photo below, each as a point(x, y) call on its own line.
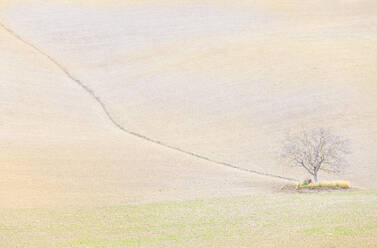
point(317, 187)
point(324, 185)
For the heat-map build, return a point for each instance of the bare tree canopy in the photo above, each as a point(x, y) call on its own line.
point(316, 150)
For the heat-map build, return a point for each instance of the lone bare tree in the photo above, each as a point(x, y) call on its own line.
point(317, 150)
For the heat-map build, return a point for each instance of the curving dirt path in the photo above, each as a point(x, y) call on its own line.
point(125, 130)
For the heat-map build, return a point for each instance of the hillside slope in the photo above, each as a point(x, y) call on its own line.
point(226, 80)
point(59, 149)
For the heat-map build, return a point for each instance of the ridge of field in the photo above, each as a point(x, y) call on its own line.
point(124, 129)
point(59, 149)
point(225, 80)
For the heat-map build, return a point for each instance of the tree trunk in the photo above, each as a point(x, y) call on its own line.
point(315, 177)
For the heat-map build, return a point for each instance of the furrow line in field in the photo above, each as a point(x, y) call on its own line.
point(120, 127)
